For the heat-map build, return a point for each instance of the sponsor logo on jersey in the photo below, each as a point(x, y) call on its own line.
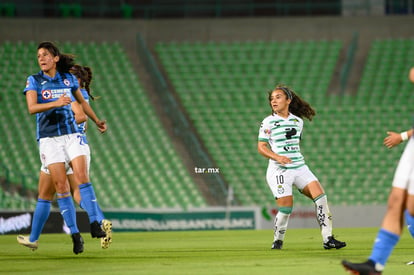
point(291, 148)
point(290, 132)
point(66, 82)
point(54, 93)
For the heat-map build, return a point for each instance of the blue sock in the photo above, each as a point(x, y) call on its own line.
point(68, 212)
point(82, 205)
point(100, 216)
point(383, 246)
point(88, 201)
point(40, 216)
point(410, 222)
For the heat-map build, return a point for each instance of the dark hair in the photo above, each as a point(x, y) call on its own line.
point(84, 73)
point(297, 106)
point(66, 61)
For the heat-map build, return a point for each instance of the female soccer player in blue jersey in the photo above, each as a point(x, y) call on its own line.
point(48, 95)
point(281, 131)
point(46, 187)
point(400, 205)
point(84, 76)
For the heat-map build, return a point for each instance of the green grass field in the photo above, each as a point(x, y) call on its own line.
point(200, 252)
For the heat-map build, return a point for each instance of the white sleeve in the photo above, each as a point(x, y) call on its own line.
point(265, 131)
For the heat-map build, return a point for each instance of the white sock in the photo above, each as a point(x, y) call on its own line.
point(324, 217)
point(280, 223)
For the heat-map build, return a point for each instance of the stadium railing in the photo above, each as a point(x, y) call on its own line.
point(203, 8)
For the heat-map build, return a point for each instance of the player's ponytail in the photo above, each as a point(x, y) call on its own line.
point(88, 80)
point(83, 73)
point(66, 61)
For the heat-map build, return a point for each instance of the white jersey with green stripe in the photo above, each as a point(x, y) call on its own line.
point(283, 136)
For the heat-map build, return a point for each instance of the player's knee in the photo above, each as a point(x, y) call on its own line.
point(81, 177)
point(396, 199)
point(286, 210)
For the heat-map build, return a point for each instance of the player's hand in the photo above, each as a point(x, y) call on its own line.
point(283, 160)
point(63, 100)
point(392, 139)
point(101, 126)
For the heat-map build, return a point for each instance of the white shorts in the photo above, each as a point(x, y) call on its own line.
point(61, 149)
point(404, 174)
point(281, 181)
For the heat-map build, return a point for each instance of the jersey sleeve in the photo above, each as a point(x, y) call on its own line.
point(300, 128)
point(74, 86)
point(31, 84)
point(264, 131)
point(75, 82)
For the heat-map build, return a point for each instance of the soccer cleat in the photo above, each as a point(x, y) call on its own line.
point(96, 230)
point(278, 244)
point(367, 268)
point(333, 243)
point(77, 243)
point(23, 240)
point(107, 240)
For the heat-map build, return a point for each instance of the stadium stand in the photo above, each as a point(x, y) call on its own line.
point(134, 165)
point(223, 87)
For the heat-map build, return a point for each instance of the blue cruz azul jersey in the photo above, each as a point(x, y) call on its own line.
point(57, 121)
point(82, 126)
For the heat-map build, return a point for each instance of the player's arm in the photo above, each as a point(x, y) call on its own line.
point(89, 111)
point(264, 150)
point(392, 139)
point(80, 115)
point(34, 107)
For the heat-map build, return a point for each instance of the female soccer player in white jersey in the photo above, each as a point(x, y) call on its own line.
point(46, 188)
point(282, 132)
point(400, 205)
point(48, 95)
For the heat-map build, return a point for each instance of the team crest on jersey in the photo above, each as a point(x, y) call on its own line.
point(66, 82)
point(295, 121)
point(267, 131)
point(47, 94)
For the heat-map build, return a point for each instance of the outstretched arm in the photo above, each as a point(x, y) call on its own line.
point(394, 138)
point(80, 115)
point(89, 111)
